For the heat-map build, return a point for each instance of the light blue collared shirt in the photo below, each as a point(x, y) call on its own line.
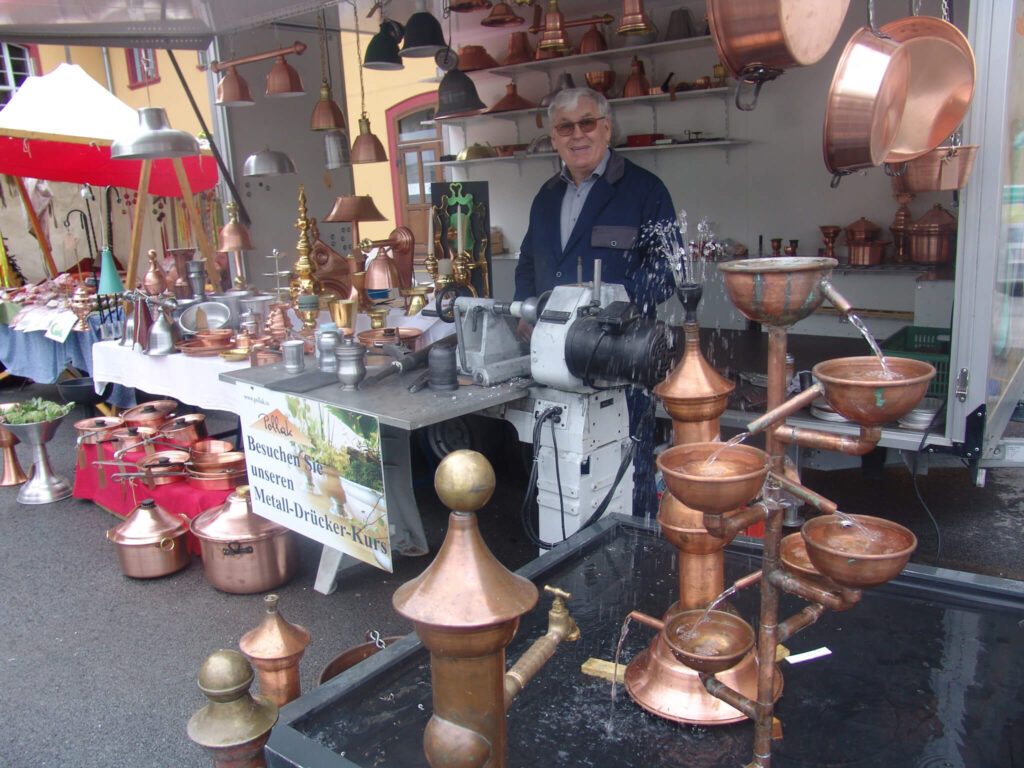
point(576, 196)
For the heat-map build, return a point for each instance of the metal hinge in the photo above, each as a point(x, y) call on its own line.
point(962, 380)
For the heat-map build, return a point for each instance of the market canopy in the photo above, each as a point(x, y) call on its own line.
point(60, 126)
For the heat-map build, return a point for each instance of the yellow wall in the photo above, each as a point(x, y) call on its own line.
point(167, 93)
point(384, 89)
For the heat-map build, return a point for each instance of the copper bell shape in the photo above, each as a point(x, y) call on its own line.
point(502, 15)
point(283, 80)
point(234, 236)
point(382, 273)
point(12, 474)
point(275, 648)
point(327, 115)
point(511, 101)
point(367, 147)
point(233, 91)
point(635, 20)
point(553, 37)
point(468, 6)
point(593, 41)
point(465, 608)
point(519, 49)
point(637, 84)
point(354, 208)
point(154, 282)
point(235, 725)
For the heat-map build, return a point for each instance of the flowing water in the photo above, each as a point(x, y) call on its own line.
point(732, 441)
point(615, 671)
point(849, 521)
point(857, 323)
point(692, 631)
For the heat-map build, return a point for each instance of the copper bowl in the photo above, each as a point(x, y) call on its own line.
point(856, 387)
point(733, 479)
point(215, 337)
point(777, 291)
point(710, 645)
point(601, 80)
point(217, 462)
point(203, 449)
point(867, 553)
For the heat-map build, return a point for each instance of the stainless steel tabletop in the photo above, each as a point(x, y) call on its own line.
point(390, 401)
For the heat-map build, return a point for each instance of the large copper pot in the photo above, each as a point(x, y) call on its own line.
point(242, 552)
point(866, 102)
point(150, 542)
point(184, 430)
point(757, 39)
point(151, 414)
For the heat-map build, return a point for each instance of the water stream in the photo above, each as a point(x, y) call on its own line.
point(615, 671)
point(732, 441)
point(849, 521)
point(857, 323)
point(726, 594)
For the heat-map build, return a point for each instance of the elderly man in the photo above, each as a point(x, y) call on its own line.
point(596, 207)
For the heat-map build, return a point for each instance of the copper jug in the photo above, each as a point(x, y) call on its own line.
point(637, 84)
point(155, 281)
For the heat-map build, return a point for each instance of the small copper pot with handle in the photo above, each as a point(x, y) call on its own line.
point(150, 543)
point(184, 430)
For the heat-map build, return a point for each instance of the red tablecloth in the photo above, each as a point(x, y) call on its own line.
point(93, 483)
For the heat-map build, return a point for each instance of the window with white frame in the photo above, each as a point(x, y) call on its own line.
point(15, 66)
point(141, 67)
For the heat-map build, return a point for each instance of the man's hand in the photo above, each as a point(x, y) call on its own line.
point(524, 331)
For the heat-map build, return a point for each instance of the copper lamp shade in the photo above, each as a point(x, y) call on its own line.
point(283, 80)
point(382, 273)
point(502, 15)
point(233, 91)
point(354, 208)
point(234, 236)
point(511, 101)
point(327, 115)
point(468, 6)
point(634, 19)
point(519, 49)
point(553, 37)
point(367, 147)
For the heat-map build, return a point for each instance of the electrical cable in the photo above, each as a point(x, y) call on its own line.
point(913, 477)
point(558, 480)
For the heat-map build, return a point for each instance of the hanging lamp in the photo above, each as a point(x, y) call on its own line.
point(327, 115)
point(336, 149)
point(233, 90)
point(367, 147)
point(283, 81)
point(502, 15)
point(154, 139)
point(382, 52)
point(457, 95)
point(423, 34)
point(268, 162)
point(234, 236)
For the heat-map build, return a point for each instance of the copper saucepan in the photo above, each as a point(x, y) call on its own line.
point(942, 73)
point(151, 414)
point(184, 430)
point(865, 103)
point(758, 39)
point(218, 461)
point(127, 438)
point(97, 429)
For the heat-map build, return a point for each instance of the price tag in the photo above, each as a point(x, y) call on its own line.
point(949, 172)
point(60, 327)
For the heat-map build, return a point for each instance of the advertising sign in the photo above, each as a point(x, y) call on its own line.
point(317, 470)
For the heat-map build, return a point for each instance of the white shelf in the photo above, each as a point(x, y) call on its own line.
point(718, 143)
point(608, 56)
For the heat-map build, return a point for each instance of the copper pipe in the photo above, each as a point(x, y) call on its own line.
point(727, 526)
point(787, 408)
point(605, 19)
point(700, 579)
point(813, 438)
point(561, 626)
point(647, 621)
point(297, 48)
point(841, 599)
point(747, 581)
point(734, 699)
point(801, 620)
point(816, 500)
point(837, 299)
point(695, 431)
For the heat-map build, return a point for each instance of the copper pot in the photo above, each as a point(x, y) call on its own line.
point(130, 437)
point(215, 479)
point(863, 230)
point(151, 414)
point(184, 430)
point(865, 103)
point(941, 170)
point(242, 552)
point(97, 429)
point(757, 39)
point(867, 254)
point(218, 462)
point(931, 237)
point(150, 542)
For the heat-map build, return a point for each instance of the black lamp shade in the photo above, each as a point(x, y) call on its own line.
point(382, 52)
point(456, 95)
point(423, 36)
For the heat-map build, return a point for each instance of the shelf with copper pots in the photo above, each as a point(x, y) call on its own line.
point(719, 143)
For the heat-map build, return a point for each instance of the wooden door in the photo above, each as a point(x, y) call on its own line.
point(418, 143)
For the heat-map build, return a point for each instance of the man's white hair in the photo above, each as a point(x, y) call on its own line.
point(568, 99)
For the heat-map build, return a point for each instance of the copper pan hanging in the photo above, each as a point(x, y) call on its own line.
point(758, 39)
point(865, 102)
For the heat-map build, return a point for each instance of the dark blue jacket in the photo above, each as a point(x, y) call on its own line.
point(609, 227)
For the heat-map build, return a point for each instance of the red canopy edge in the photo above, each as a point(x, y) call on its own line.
point(92, 164)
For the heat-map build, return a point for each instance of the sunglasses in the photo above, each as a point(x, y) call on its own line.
point(587, 125)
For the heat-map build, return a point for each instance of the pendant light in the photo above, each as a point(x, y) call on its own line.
point(336, 149)
point(283, 81)
point(367, 147)
point(382, 52)
point(327, 115)
point(234, 236)
point(233, 91)
point(268, 162)
point(154, 139)
point(423, 34)
point(502, 15)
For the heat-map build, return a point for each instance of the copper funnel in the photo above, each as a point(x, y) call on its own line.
point(777, 291)
point(866, 553)
point(553, 37)
point(466, 608)
point(327, 115)
point(857, 388)
point(732, 479)
point(349, 208)
point(367, 147)
point(233, 91)
point(519, 49)
point(283, 80)
point(637, 84)
point(234, 236)
point(275, 648)
point(634, 19)
point(510, 101)
point(502, 15)
point(593, 41)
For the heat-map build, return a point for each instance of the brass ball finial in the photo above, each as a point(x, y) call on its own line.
point(225, 675)
point(464, 481)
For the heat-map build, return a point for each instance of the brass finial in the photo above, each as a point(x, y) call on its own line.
point(303, 281)
point(464, 481)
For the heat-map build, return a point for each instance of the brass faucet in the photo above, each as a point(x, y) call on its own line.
point(561, 626)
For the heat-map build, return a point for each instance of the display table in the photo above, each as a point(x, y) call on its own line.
point(93, 482)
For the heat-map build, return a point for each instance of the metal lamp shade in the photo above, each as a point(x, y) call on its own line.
point(367, 147)
point(283, 80)
point(336, 150)
point(382, 52)
point(327, 115)
point(423, 36)
point(154, 139)
point(456, 95)
point(268, 162)
point(234, 236)
point(233, 91)
point(354, 208)
point(502, 15)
